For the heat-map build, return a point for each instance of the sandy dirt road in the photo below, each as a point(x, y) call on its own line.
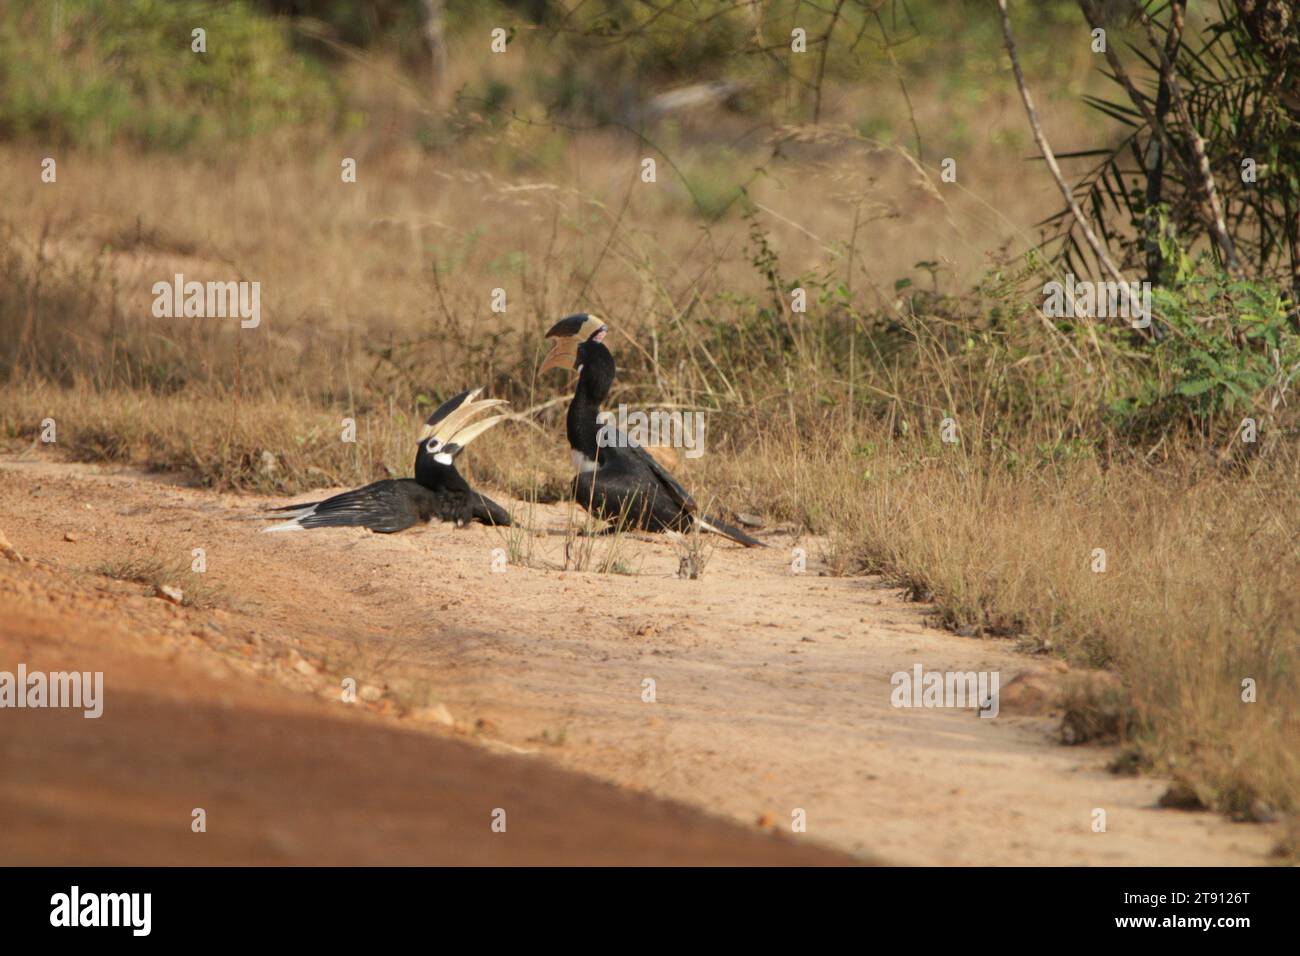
point(771, 702)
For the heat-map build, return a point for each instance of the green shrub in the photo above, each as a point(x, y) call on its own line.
point(94, 72)
point(1228, 349)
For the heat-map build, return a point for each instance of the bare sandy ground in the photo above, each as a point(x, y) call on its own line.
point(477, 689)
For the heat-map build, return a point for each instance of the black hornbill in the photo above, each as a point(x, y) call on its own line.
point(437, 490)
point(617, 479)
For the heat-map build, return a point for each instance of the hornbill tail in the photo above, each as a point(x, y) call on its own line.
point(727, 531)
point(280, 512)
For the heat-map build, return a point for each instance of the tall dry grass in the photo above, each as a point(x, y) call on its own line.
point(1198, 594)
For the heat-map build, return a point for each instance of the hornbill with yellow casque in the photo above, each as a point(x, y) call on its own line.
point(437, 490)
point(617, 479)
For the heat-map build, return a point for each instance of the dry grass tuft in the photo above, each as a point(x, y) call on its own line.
point(157, 574)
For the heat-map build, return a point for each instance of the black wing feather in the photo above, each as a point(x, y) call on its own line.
point(674, 488)
point(385, 506)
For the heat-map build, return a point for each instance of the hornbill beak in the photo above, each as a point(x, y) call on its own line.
point(450, 424)
point(568, 334)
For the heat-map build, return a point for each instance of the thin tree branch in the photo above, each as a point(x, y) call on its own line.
point(1218, 225)
point(1050, 158)
point(821, 64)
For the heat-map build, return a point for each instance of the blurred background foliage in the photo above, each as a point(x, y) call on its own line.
point(106, 74)
point(95, 72)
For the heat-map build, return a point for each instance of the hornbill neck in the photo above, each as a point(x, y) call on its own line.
point(425, 468)
point(581, 424)
point(433, 474)
point(594, 383)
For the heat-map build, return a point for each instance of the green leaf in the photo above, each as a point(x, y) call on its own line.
point(1196, 387)
point(1236, 390)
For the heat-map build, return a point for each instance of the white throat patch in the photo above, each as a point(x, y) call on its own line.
point(581, 463)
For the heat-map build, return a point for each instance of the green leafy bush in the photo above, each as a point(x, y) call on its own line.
point(94, 72)
point(1229, 347)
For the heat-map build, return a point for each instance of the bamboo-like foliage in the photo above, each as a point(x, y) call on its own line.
point(1240, 81)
